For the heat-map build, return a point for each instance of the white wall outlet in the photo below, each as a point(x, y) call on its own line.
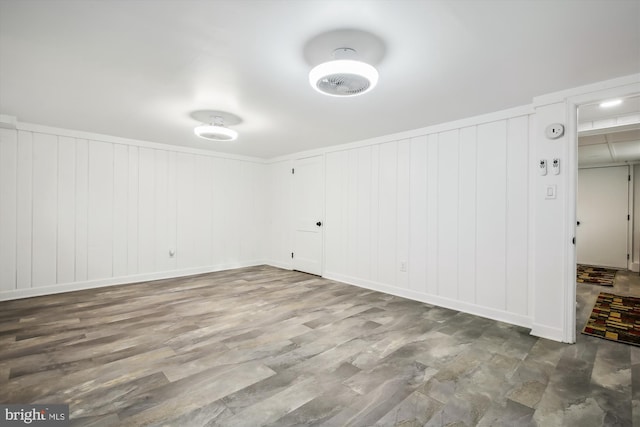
point(554, 131)
point(403, 265)
point(555, 166)
point(542, 167)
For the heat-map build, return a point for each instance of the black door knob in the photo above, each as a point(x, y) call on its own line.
point(319, 224)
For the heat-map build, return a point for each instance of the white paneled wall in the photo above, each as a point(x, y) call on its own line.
point(78, 213)
point(441, 217)
point(279, 214)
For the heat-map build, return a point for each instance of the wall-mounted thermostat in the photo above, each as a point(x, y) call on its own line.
point(554, 131)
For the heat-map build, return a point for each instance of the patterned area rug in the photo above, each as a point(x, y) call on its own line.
point(596, 275)
point(615, 318)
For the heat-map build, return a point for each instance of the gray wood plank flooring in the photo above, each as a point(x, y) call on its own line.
point(264, 346)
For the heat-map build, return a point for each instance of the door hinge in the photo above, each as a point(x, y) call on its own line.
point(293, 170)
point(627, 257)
point(629, 178)
point(291, 254)
point(628, 217)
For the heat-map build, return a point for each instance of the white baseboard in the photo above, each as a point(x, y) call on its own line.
point(542, 331)
point(489, 313)
point(111, 281)
point(277, 264)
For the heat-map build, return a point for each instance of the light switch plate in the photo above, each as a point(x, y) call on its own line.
point(550, 192)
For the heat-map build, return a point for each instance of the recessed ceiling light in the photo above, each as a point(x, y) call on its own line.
point(344, 76)
point(611, 103)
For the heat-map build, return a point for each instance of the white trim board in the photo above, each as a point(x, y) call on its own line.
point(32, 127)
point(125, 280)
point(489, 313)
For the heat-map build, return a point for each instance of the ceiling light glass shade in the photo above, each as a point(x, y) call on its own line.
point(341, 73)
point(611, 103)
point(216, 133)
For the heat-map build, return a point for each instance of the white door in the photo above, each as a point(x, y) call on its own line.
point(602, 213)
point(307, 207)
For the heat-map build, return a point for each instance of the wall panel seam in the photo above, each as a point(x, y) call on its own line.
point(506, 215)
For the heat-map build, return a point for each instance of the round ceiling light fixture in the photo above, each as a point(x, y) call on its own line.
point(215, 130)
point(344, 76)
point(611, 103)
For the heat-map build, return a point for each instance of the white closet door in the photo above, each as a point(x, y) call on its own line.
point(603, 209)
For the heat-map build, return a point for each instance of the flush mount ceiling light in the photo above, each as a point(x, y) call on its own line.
point(344, 76)
point(215, 130)
point(611, 103)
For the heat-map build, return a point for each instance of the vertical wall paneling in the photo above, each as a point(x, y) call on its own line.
point(45, 209)
point(233, 195)
point(432, 214)
point(100, 236)
point(24, 198)
point(162, 208)
point(402, 209)
point(82, 209)
point(388, 188)
point(202, 210)
point(418, 216)
point(279, 243)
point(450, 206)
point(78, 213)
point(132, 211)
point(255, 223)
point(343, 190)
point(491, 215)
point(517, 215)
point(218, 215)
point(448, 214)
point(244, 205)
point(66, 251)
point(375, 206)
point(146, 210)
point(467, 215)
point(187, 228)
point(8, 208)
point(120, 208)
point(352, 211)
point(172, 212)
point(333, 216)
point(364, 193)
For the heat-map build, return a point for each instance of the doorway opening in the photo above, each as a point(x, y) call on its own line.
point(607, 202)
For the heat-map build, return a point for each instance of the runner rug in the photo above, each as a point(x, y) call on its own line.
point(615, 318)
point(596, 275)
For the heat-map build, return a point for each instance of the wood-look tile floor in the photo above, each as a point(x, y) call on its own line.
point(264, 346)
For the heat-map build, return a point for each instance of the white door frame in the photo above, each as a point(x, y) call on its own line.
point(322, 196)
point(572, 104)
point(627, 200)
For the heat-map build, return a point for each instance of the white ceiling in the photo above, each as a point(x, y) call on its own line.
point(137, 69)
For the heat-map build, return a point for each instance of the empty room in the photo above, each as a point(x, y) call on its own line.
point(319, 212)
